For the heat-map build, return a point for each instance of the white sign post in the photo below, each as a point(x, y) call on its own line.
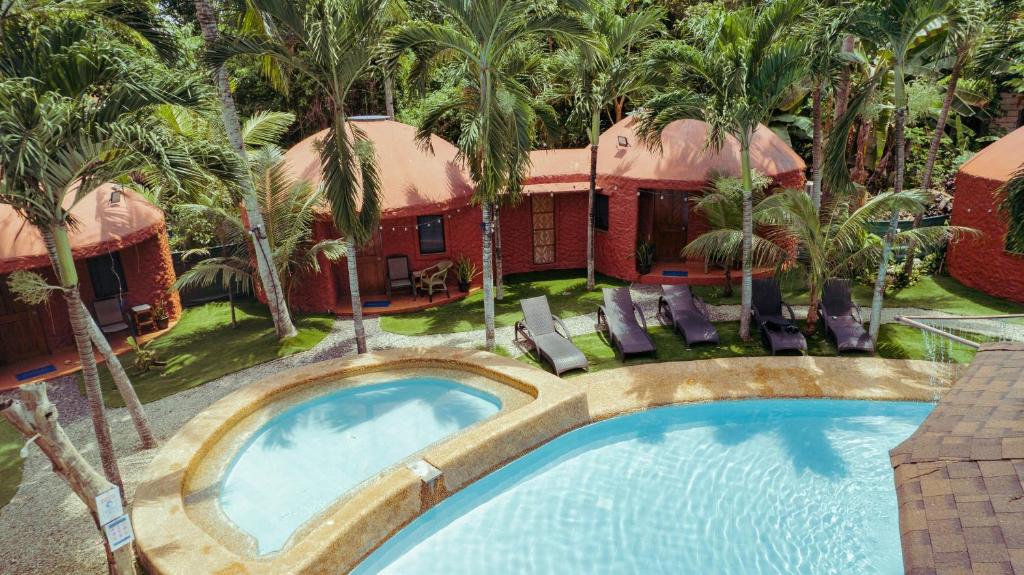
point(108, 505)
point(119, 532)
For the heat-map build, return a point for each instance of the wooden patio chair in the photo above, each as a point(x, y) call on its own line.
point(399, 275)
point(109, 315)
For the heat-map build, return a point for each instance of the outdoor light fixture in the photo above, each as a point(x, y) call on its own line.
point(623, 141)
point(115, 196)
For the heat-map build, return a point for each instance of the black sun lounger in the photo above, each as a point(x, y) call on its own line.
point(540, 328)
point(684, 311)
point(780, 333)
point(842, 318)
point(619, 316)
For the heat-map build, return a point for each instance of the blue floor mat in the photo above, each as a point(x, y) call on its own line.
point(48, 368)
point(675, 273)
point(378, 303)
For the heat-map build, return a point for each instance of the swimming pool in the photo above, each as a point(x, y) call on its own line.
point(775, 486)
point(306, 457)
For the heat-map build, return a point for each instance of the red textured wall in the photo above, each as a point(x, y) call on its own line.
point(982, 262)
point(149, 274)
point(570, 235)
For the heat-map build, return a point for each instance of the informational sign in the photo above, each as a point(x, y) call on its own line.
point(119, 532)
point(108, 505)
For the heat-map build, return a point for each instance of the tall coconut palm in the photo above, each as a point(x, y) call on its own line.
point(976, 25)
point(334, 43)
point(72, 109)
point(722, 244)
point(496, 110)
point(605, 72)
point(269, 279)
point(836, 243)
point(895, 25)
point(825, 39)
point(733, 82)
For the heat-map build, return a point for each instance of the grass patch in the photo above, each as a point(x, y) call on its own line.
point(566, 291)
point(10, 461)
point(941, 293)
point(895, 342)
point(203, 346)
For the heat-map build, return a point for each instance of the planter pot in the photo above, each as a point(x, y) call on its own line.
point(644, 270)
point(463, 286)
point(162, 323)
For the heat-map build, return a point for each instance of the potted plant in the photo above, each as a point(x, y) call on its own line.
point(644, 256)
point(465, 271)
point(160, 315)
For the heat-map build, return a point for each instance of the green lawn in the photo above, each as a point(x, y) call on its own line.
point(896, 342)
point(203, 346)
point(904, 342)
point(566, 291)
point(10, 462)
point(941, 293)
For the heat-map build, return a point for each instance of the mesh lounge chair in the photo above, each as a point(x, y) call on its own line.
point(680, 308)
point(842, 318)
point(779, 333)
point(109, 315)
point(434, 279)
point(540, 328)
point(618, 316)
point(400, 275)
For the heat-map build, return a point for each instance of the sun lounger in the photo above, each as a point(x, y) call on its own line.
point(619, 316)
point(842, 318)
point(540, 328)
point(685, 312)
point(779, 333)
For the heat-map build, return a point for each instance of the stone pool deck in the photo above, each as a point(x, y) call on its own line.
point(959, 476)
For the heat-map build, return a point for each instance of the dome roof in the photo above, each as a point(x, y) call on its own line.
point(684, 160)
point(101, 227)
point(414, 181)
point(547, 165)
point(999, 160)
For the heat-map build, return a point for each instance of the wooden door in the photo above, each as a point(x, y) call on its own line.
point(671, 214)
point(372, 272)
point(21, 332)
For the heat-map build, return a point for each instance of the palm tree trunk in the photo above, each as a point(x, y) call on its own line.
point(933, 149)
point(843, 91)
point(894, 221)
point(389, 96)
point(122, 382)
point(56, 240)
point(113, 363)
point(620, 104)
point(816, 147)
point(812, 310)
point(746, 292)
point(233, 128)
point(499, 277)
point(357, 301)
point(595, 126)
point(488, 279)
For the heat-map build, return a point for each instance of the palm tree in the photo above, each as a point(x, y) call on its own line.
point(837, 244)
point(722, 244)
point(72, 107)
point(269, 278)
point(332, 42)
point(605, 72)
point(974, 22)
point(825, 42)
point(747, 63)
point(894, 25)
point(289, 210)
point(496, 111)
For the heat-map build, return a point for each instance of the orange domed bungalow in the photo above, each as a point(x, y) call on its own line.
point(982, 262)
point(427, 214)
point(120, 248)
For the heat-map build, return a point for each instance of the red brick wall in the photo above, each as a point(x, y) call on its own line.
point(570, 235)
point(982, 262)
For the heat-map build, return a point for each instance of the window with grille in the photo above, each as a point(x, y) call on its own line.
point(543, 229)
point(431, 233)
point(107, 275)
point(601, 212)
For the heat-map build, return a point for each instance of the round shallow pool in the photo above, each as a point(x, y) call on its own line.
point(753, 487)
point(309, 455)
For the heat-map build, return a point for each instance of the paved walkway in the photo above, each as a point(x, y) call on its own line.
point(959, 477)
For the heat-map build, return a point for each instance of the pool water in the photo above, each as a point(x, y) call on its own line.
point(306, 457)
point(751, 487)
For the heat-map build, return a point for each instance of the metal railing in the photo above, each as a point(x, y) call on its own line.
point(916, 321)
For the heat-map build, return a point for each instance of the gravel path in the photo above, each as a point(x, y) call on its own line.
point(55, 534)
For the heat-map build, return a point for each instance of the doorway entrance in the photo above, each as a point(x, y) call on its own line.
point(670, 221)
point(369, 265)
point(21, 332)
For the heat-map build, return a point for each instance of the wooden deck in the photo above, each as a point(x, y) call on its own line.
point(692, 273)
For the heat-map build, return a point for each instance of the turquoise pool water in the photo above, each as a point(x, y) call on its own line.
point(308, 456)
point(745, 487)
